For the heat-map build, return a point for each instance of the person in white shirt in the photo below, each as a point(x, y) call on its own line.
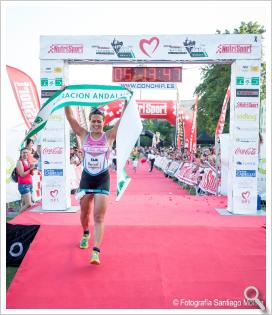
point(151, 158)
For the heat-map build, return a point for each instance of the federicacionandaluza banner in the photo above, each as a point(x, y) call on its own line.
point(80, 95)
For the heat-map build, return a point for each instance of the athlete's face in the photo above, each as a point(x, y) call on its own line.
point(96, 123)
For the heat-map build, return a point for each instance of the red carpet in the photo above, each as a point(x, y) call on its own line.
point(162, 249)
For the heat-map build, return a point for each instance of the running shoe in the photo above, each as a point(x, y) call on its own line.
point(95, 258)
point(84, 242)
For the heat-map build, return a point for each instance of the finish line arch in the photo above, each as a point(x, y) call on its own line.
point(242, 51)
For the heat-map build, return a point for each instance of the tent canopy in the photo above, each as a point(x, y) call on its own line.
point(204, 138)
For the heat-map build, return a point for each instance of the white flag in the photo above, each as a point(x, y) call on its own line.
point(129, 130)
point(77, 95)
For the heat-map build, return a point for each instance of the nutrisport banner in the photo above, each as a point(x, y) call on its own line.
point(152, 47)
point(148, 109)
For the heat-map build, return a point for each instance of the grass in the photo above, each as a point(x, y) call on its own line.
point(10, 273)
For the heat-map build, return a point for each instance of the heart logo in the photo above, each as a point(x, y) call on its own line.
point(245, 195)
point(149, 46)
point(54, 193)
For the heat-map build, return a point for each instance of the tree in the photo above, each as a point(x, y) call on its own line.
point(166, 130)
point(215, 81)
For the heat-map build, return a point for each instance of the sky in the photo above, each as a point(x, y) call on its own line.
point(24, 21)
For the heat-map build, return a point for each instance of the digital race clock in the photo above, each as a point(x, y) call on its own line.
point(146, 74)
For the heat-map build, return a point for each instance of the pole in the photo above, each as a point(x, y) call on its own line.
point(216, 168)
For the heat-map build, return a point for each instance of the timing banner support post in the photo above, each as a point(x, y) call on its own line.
point(243, 51)
point(244, 136)
point(55, 142)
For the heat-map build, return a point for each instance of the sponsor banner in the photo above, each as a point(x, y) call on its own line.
point(245, 173)
point(52, 163)
point(173, 167)
point(249, 116)
point(53, 195)
point(245, 152)
point(245, 200)
point(149, 85)
point(248, 81)
point(246, 164)
point(151, 47)
point(55, 119)
point(52, 151)
point(251, 138)
point(246, 104)
point(148, 109)
point(53, 172)
point(52, 76)
point(244, 130)
point(47, 93)
point(52, 68)
point(25, 93)
point(157, 109)
point(187, 173)
point(53, 158)
point(50, 137)
point(208, 181)
point(51, 83)
point(247, 93)
point(244, 69)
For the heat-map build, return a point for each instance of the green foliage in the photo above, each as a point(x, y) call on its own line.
point(212, 90)
point(215, 81)
point(167, 131)
point(73, 139)
point(10, 273)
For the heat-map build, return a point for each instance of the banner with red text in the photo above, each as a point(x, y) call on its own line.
point(148, 109)
point(187, 122)
point(208, 181)
point(25, 93)
point(151, 48)
point(192, 143)
point(221, 120)
point(187, 173)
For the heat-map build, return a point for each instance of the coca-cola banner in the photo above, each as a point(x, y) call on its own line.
point(25, 93)
point(151, 48)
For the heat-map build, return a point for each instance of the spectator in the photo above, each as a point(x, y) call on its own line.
point(114, 160)
point(29, 146)
point(185, 155)
point(74, 157)
point(151, 158)
point(38, 156)
point(24, 171)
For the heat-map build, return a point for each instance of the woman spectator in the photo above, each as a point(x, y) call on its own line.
point(29, 146)
point(24, 171)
